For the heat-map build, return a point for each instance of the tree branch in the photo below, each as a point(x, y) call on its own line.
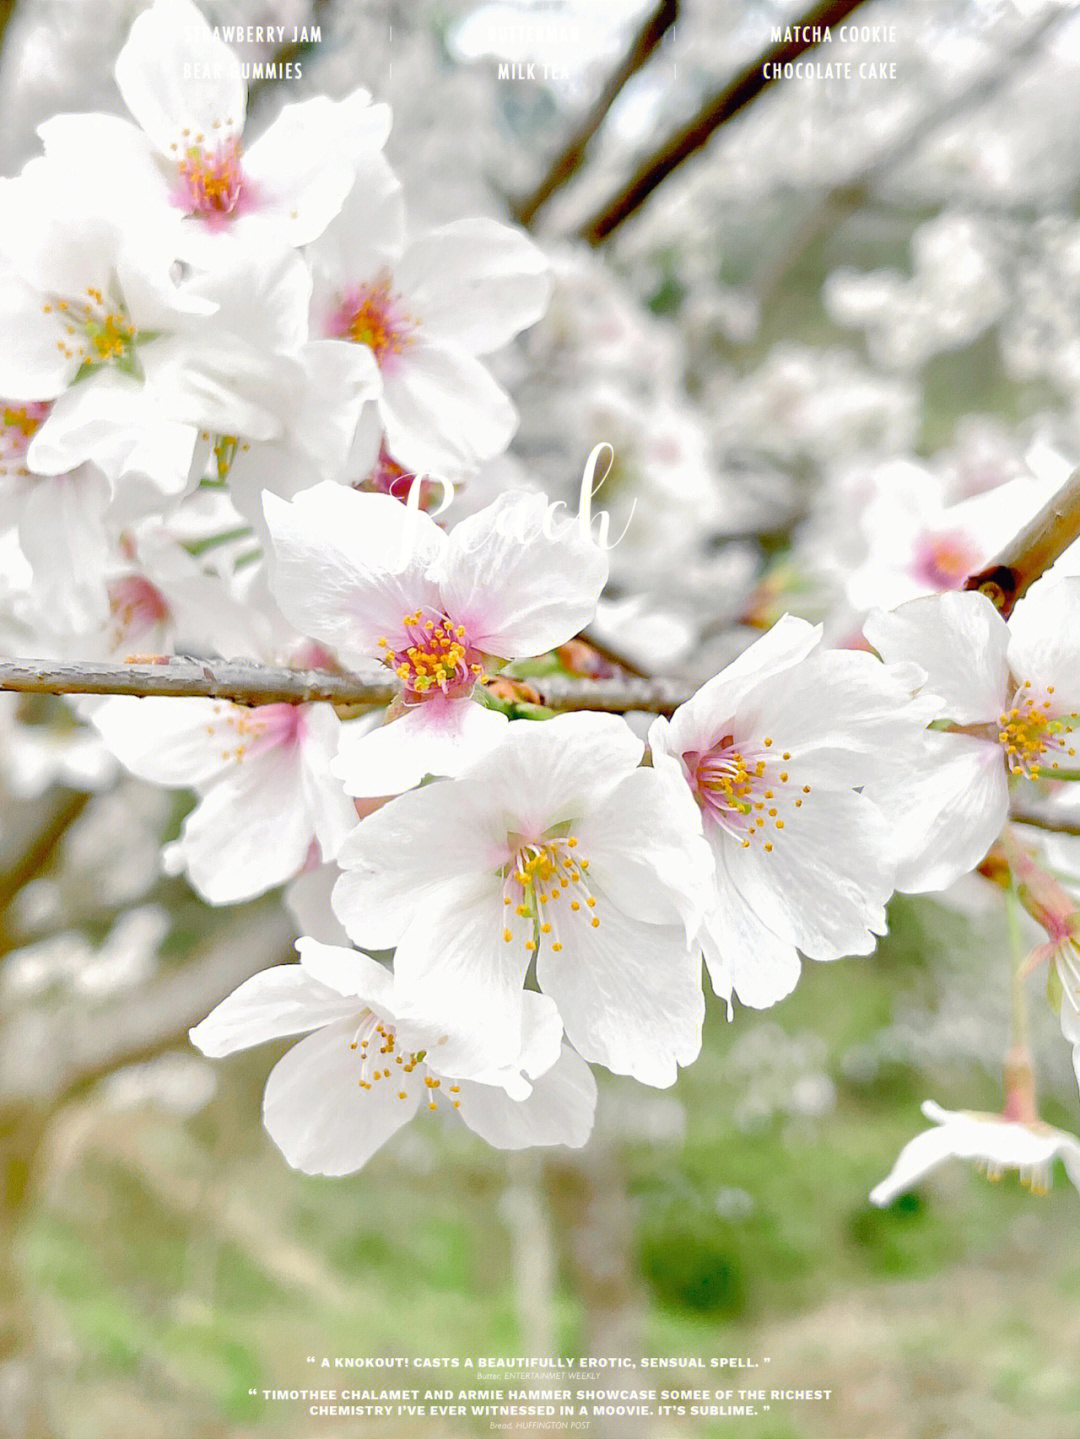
point(714, 113)
point(1035, 820)
point(569, 160)
point(252, 684)
point(1024, 559)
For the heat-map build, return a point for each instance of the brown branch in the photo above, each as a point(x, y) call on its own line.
point(42, 847)
point(714, 113)
point(1035, 820)
point(252, 684)
point(1009, 576)
point(570, 159)
point(245, 683)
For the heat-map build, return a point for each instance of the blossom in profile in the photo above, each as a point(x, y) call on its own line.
point(774, 751)
point(993, 1141)
point(370, 1062)
point(379, 581)
point(552, 853)
point(1007, 700)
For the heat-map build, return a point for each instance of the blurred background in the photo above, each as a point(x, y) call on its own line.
point(837, 352)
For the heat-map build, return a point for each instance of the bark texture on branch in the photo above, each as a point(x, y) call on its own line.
point(1008, 577)
point(252, 684)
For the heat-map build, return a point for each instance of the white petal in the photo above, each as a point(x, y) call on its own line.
point(475, 283)
point(960, 640)
point(418, 851)
point(271, 1004)
point(437, 736)
point(308, 901)
point(917, 1158)
point(349, 567)
point(743, 955)
point(544, 773)
point(316, 1112)
point(645, 849)
point(250, 832)
point(32, 366)
point(1044, 641)
point(629, 994)
point(823, 885)
point(169, 740)
point(347, 972)
point(560, 1109)
point(300, 170)
point(945, 804)
point(443, 411)
point(160, 72)
point(699, 723)
point(520, 579)
point(454, 965)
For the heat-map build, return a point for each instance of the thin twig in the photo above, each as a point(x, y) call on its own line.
point(714, 113)
point(1009, 576)
point(569, 160)
point(42, 847)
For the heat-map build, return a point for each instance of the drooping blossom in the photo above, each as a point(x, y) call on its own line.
point(262, 774)
point(993, 1141)
point(377, 581)
point(774, 751)
point(1010, 696)
point(553, 851)
point(372, 1060)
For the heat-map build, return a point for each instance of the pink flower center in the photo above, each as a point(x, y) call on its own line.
point(941, 561)
point(1033, 736)
point(266, 727)
point(137, 607)
point(742, 788)
point(20, 423)
point(374, 315)
point(434, 658)
point(211, 183)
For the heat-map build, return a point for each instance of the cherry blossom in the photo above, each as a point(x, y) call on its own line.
point(377, 581)
point(185, 168)
point(266, 796)
point(371, 1061)
point(1009, 695)
point(774, 750)
point(426, 310)
point(554, 851)
point(993, 1141)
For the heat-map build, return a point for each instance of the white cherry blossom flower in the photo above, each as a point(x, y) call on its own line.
point(372, 1061)
point(1012, 694)
point(992, 1141)
point(266, 797)
point(426, 310)
point(185, 166)
point(553, 850)
point(377, 581)
point(774, 750)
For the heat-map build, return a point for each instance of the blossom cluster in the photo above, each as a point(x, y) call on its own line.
point(235, 381)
